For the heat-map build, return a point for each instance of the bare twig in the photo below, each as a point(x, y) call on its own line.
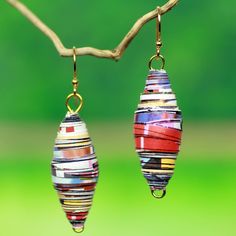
point(114, 54)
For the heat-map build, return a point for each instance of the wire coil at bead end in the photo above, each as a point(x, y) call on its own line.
point(159, 194)
point(78, 230)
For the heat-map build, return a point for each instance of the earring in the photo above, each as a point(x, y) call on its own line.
point(74, 165)
point(157, 125)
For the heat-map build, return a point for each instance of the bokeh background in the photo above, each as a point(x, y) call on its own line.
point(199, 46)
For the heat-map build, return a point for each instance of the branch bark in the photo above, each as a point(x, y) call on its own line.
point(114, 54)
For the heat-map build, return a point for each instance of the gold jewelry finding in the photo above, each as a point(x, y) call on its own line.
point(75, 82)
point(157, 57)
point(158, 44)
point(159, 193)
point(76, 96)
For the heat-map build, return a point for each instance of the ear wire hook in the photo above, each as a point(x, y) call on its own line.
point(74, 95)
point(75, 80)
point(158, 43)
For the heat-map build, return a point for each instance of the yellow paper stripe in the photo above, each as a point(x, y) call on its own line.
point(168, 161)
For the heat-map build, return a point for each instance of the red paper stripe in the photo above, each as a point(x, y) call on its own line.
point(147, 133)
point(154, 144)
point(73, 217)
point(70, 129)
point(77, 213)
point(175, 133)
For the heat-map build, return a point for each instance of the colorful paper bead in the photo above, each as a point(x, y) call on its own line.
point(74, 170)
point(157, 130)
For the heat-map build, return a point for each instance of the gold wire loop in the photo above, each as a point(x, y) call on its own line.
point(157, 57)
point(78, 230)
point(159, 194)
point(76, 96)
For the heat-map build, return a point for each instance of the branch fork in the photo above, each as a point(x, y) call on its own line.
point(114, 54)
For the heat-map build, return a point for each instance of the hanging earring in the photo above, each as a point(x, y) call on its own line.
point(158, 125)
point(74, 165)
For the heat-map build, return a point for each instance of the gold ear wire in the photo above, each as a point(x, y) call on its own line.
point(158, 43)
point(75, 82)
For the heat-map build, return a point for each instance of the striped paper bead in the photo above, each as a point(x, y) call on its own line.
point(157, 130)
point(74, 170)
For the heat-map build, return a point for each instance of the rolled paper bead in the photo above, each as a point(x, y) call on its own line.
point(157, 130)
point(74, 170)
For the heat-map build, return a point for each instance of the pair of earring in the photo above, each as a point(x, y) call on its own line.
point(157, 132)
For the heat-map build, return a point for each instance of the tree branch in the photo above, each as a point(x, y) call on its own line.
point(114, 54)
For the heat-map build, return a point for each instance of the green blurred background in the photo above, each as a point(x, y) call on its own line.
point(199, 47)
